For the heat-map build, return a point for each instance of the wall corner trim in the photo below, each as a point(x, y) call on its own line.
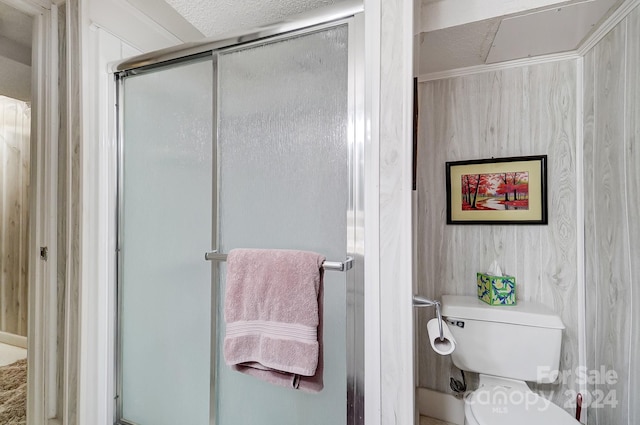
point(517, 63)
point(580, 226)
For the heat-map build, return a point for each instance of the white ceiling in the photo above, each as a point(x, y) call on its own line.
point(217, 17)
point(483, 38)
point(452, 33)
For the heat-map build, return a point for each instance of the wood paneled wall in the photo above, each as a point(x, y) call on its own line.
point(69, 209)
point(529, 110)
point(612, 220)
point(393, 197)
point(15, 129)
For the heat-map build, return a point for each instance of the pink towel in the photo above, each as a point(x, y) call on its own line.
point(273, 315)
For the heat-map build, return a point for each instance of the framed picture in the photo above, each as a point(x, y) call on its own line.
point(497, 191)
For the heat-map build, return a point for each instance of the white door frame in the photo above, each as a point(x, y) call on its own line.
point(42, 302)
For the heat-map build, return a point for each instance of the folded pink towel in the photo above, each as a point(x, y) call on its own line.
point(273, 315)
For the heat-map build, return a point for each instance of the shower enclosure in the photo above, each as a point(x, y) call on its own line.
point(255, 141)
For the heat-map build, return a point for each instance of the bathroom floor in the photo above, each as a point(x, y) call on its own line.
point(425, 420)
point(10, 354)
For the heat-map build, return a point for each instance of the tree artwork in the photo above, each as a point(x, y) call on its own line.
point(497, 191)
point(510, 190)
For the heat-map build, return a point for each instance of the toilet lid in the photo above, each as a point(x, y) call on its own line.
point(507, 406)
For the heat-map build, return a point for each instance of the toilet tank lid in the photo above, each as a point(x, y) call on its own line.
point(524, 313)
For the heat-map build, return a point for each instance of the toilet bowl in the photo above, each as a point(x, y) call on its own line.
point(507, 346)
point(509, 402)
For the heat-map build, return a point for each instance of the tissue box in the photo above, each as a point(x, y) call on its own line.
point(497, 290)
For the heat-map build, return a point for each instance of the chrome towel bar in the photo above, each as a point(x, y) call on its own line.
point(339, 266)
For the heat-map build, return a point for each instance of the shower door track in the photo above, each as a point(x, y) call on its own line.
point(326, 15)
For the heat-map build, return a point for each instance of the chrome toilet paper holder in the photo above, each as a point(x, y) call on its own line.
point(420, 301)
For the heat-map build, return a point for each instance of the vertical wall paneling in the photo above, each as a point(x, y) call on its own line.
point(25, 198)
point(632, 151)
point(74, 213)
point(612, 180)
point(519, 111)
point(395, 259)
point(580, 224)
point(612, 276)
point(62, 195)
point(15, 122)
point(591, 290)
point(372, 293)
point(558, 280)
point(590, 109)
point(69, 207)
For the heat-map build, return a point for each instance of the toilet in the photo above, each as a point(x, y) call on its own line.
point(507, 346)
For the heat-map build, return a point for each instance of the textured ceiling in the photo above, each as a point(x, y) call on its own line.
point(459, 35)
point(217, 17)
point(456, 47)
point(525, 34)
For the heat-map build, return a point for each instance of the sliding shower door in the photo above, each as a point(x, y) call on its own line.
point(283, 155)
point(249, 144)
point(165, 227)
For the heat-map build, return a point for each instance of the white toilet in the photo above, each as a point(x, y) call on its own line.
point(506, 345)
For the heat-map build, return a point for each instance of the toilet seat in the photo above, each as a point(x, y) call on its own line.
point(503, 405)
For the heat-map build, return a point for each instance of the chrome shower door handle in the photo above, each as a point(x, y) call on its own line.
point(214, 256)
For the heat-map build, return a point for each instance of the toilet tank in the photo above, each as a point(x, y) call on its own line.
point(519, 342)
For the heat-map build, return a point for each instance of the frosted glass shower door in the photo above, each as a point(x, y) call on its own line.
point(283, 164)
point(165, 227)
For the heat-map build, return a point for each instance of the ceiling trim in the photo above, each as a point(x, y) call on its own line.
point(610, 23)
point(477, 69)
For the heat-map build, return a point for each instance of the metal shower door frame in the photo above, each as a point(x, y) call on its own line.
point(349, 13)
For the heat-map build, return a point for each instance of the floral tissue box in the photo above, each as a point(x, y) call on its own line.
point(497, 290)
